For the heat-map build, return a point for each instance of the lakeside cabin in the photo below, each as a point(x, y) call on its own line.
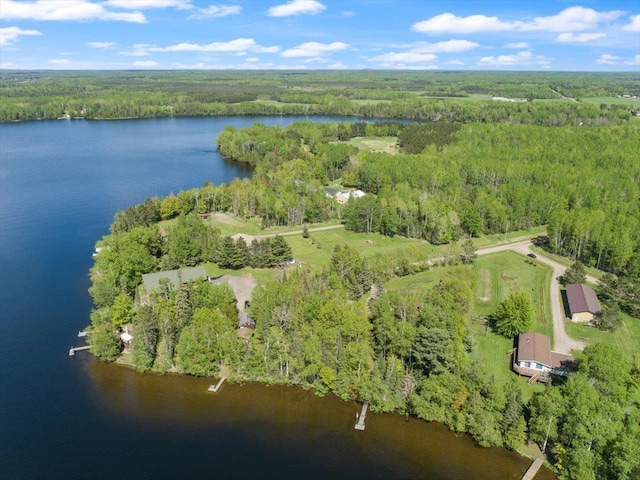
point(246, 326)
point(533, 358)
point(583, 303)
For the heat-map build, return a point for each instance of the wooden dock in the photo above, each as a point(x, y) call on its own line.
point(215, 388)
point(73, 350)
point(363, 414)
point(533, 469)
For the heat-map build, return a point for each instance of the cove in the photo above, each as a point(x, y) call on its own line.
point(60, 184)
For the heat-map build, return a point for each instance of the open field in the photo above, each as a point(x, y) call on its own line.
point(376, 144)
point(316, 251)
point(497, 275)
point(629, 102)
point(625, 339)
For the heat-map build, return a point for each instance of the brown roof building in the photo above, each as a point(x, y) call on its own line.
point(534, 358)
point(583, 302)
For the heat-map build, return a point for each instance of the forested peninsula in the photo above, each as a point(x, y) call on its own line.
point(355, 244)
point(336, 328)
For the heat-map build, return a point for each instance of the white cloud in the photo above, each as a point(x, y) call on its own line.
point(139, 50)
point(607, 59)
point(405, 57)
point(252, 59)
point(570, 19)
point(233, 46)
point(348, 13)
point(314, 49)
point(145, 64)
point(450, 23)
point(580, 37)
point(216, 11)
point(517, 45)
point(450, 46)
point(78, 10)
point(9, 34)
point(297, 7)
point(101, 44)
point(146, 4)
point(633, 25)
point(337, 66)
point(634, 61)
point(521, 58)
point(59, 61)
point(424, 52)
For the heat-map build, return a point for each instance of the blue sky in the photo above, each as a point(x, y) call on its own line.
point(321, 34)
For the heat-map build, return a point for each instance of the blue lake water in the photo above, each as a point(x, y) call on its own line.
point(61, 417)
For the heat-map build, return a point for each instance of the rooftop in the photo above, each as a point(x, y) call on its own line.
point(534, 347)
point(582, 298)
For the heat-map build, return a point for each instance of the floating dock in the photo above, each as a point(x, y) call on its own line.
point(73, 350)
point(363, 414)
point(215, 388)
point(533, 469)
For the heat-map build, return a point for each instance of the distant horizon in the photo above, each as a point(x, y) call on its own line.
point(313, 35)
point(293, 70)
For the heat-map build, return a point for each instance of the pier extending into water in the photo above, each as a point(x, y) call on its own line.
point(215, 388)
point(363, 414)
point(533, 469)
point(73, 350)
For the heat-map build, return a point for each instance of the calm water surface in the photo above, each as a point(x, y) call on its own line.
point(61, 417)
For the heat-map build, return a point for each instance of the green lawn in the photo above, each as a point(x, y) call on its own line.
point(625, 339)
point(317, 250)
point(498, 275)
point(629, 102)
point(375, 144)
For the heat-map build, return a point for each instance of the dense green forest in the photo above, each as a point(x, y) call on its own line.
point(451, 96)
point(335, 329)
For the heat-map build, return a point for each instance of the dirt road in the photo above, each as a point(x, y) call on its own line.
point(561, 341)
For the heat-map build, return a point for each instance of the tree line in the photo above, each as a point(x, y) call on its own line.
point(109, 95)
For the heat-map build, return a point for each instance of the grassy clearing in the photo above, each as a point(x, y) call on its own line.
point(498, 238)
point(376, 144)
point(497, 275)
point(230, 225)
point(368, 101)
point(492, 352)
point(501, 274)
point(629, 102)
point(317, 250)
point(625, 339)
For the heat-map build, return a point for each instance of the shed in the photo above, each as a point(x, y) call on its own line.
point(583, 302)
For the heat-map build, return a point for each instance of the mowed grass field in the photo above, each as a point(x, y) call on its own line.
point(497, 275)
point(625, 339)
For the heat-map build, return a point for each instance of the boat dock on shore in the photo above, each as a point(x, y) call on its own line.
point(361, 418)
point(73, 350)
point(215, 388)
